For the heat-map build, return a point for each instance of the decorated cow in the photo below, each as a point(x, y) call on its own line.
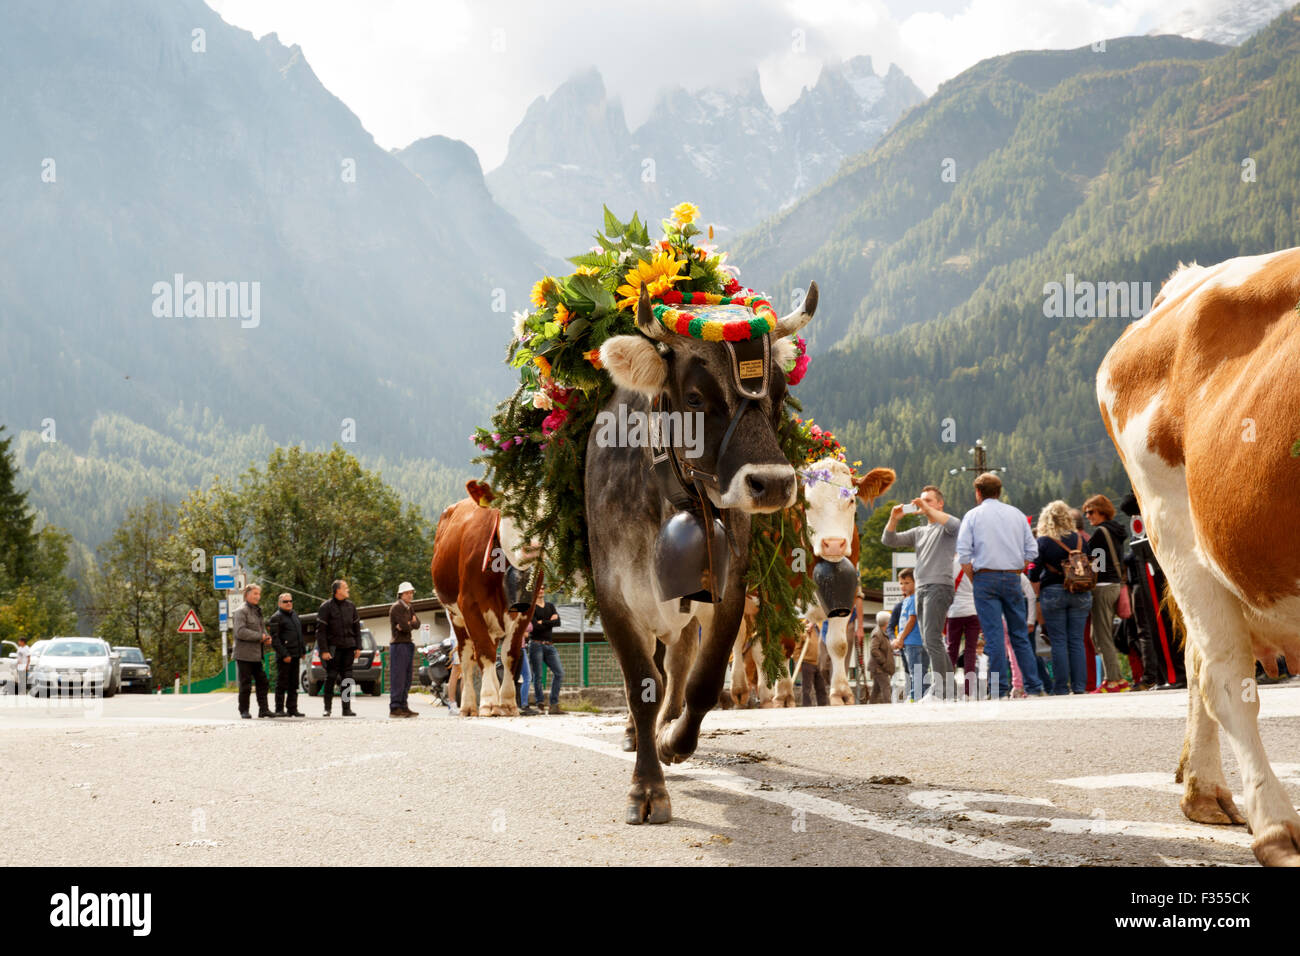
point(479, 568)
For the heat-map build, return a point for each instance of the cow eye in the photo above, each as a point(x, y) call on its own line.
point(694, 399)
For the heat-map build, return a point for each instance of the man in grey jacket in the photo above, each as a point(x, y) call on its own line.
point(936, 545)
point(251, 639)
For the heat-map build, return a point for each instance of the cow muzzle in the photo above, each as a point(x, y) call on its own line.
point(837, 586)
point(759, 489)
point(832, 549)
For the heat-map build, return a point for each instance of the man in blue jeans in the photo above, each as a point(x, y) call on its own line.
point(994, 545)
point(541, 650)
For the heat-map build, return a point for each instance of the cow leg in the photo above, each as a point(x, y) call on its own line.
point(677, 665)
point(739, 682)
point(1227, 687)
point(837, 643)
point(468, 668)
point(647, 800)
point(679, 740)
point(1207, 798)
point(765, 694)
point(507, 702)
point(629, 729)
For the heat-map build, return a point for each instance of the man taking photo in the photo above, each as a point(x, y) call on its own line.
point(338, 639)
point(936, 546)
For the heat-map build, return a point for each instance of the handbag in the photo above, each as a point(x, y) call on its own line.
point(1124, 606)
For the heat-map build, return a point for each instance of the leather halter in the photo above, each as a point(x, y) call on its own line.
point(680, 482)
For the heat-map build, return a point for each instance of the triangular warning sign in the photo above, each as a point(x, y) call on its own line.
point(190, 625)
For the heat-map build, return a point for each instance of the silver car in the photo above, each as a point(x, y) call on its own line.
point(8, 667)
point(136, 669)
point(84, 664)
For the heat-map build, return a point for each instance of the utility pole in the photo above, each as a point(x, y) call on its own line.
point(981, 462)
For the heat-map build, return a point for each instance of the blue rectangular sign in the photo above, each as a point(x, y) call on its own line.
point(223, 572)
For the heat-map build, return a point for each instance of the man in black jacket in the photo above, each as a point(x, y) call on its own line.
point(338, 639)
point(286, 638)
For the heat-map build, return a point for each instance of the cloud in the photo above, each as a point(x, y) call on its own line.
point(410, 68)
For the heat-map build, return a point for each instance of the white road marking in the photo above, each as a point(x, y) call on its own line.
point(957, 801)
point(939, 837)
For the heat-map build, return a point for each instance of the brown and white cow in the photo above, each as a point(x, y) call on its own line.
point(473, 543)
point(832, 495)
point(1202, 400)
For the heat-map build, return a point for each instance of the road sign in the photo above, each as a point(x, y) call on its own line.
point(223, 572)
point(223, 617)
point(191, 624)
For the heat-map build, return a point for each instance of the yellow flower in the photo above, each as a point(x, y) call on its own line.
point(684, 213)
point(538, 295)
point(562, 315)
point(587, 271)
point(543, 365)
point(658, 276)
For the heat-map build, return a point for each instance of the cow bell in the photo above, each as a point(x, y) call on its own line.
point(519, 588)
point(690, 562)
point(837, 586)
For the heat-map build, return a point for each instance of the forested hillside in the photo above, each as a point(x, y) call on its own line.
point(1112, 177)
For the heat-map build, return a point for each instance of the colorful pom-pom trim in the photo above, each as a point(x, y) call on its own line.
point(715, 330)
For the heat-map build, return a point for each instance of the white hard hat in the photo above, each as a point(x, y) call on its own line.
point(404, 587)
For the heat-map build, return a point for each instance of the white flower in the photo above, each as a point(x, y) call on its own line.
point(520, 319)
point(542, 400)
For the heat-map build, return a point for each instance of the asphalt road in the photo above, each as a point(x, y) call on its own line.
point(179, 780)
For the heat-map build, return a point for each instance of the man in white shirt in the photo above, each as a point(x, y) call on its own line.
point(994, 545)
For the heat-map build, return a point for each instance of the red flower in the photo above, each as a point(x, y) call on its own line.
point(732, 286)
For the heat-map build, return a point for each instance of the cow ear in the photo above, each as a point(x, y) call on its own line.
point(875, 483)
point(480, 492)
point(634, 363)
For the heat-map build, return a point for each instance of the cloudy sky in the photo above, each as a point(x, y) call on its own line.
point(469, 68)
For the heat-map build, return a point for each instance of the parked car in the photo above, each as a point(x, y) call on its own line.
point(74, 663)
point(137, 670)
point(8, 667)
point(367, 670)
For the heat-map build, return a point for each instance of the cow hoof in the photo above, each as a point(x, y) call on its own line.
point(668, 753)
point(510, 710)
point(1212, 805)
point(1279, 844)
point(767, 705)
point(469, 711)
point(650, 805)
point(629, 742)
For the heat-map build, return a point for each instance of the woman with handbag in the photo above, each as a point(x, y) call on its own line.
point(1063, 580)
point(1110, 595)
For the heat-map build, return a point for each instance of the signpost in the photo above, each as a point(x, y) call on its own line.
point(190, 626)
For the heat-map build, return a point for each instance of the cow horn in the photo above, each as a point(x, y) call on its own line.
point(796, 320)
point(646, 321)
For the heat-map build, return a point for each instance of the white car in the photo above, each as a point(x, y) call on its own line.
point(74, 663)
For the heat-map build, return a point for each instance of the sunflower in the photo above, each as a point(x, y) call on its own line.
point(543, 365)
point(543, 286)
point(684, 213)
point(657, 275)
point(587, 270)
point(562, 315)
